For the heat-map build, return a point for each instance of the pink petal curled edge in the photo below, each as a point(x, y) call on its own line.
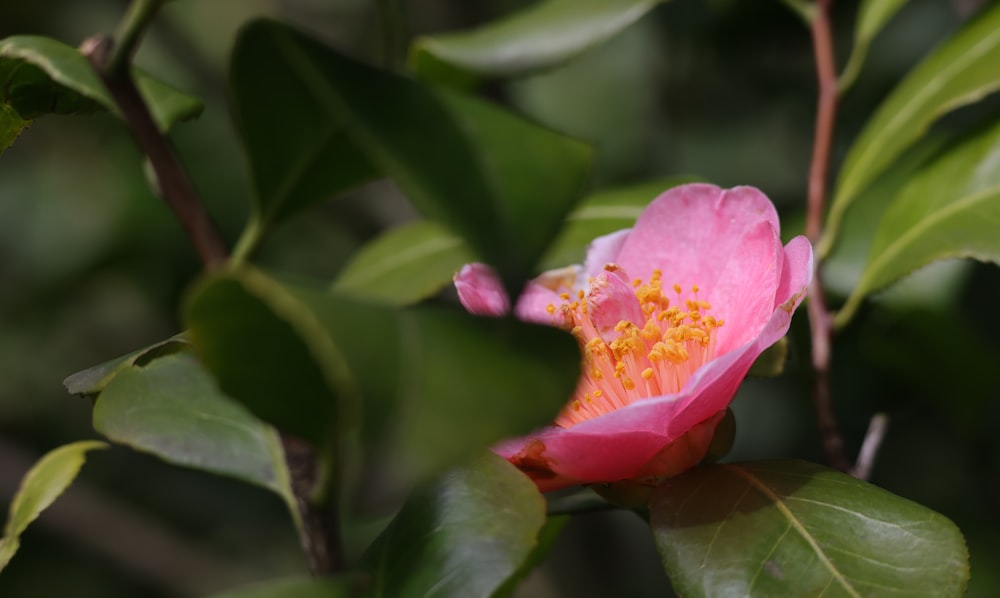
point(726, 242)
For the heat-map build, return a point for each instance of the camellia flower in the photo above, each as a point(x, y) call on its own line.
point(669, 315)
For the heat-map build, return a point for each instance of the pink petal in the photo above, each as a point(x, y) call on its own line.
point(612, 299)
point(603, 251)
point(480, 291)
point(691, 232)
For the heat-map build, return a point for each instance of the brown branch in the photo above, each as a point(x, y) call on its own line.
point(174, 185)
point(320, 524)
point(320, 533)
point(819, 317)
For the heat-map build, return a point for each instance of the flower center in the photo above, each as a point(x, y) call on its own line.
point(651, 353)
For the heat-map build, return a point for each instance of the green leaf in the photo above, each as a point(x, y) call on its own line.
point(961, 71)
point(93, 380)
point(298, 148)
point(541, 36)
point(950, 209)
point(872, 17)
point(267, 350)
point(465, 535)
point(502, 183)
point(39, 75)
point(405, 265)
point(11, 125)
point(40, 488)
point(172, 408)
point(296, 588)
point(414, 261)
point(784, 528)
point(435, 383)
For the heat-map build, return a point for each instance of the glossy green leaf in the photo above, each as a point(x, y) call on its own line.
point(417, 260)
point(872, 17)
point(41, 76)
point(297, 146)
point(172, 408)
point(296, 588)
point(790, 528)
point(267, 350)
point(959, 72)
point(40, 488)
point(93, 380)
point(465, 535)
point(435, 383)
point(405, 265)
point(502, 183)
point(541, 36)
point(950, 209)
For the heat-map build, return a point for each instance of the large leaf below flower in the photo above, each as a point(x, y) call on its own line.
point(959, 72)
point(414, 261)
point(950, 209)
point(172, 408)
point(435, 383)
point(538, 37)
point(39, 76)
point(500, 182)
point(467, 535)
point(790, 528)
point(40, 488)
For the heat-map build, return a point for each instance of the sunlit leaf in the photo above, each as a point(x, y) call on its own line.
point(872, 17)
point(39, 76)
point(790, 528)
point(435, 383)
point(414, 261)
point(950, 209)
point(94, 379)
point(40, 487)
point(405, 264)
point(502, 183)
point(961, 71)
point(172, 408)
point(467, 534)
point(538, 37)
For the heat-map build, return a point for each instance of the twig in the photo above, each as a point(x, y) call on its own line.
point(869, 448)
point(130, 31)
point(320, 526)
point(320, 534)
point(819, 317)
point(175, 186)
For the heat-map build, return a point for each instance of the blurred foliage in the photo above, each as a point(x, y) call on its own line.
point(92, 266)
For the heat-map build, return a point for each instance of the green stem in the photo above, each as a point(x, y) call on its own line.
point(129, 34)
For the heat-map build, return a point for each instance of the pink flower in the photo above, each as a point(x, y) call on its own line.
point(669, 315)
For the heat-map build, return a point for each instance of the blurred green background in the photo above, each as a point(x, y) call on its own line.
point(92, 266)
